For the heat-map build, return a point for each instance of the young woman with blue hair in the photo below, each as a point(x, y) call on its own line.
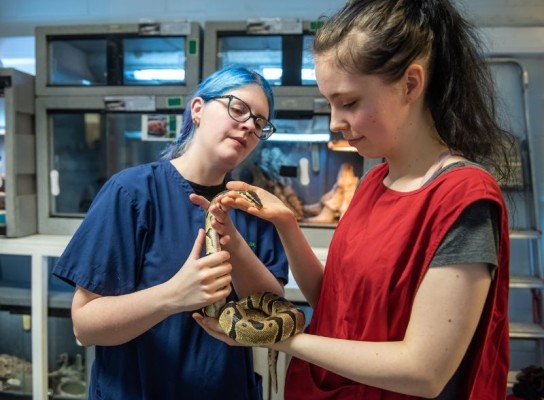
point(136, 263)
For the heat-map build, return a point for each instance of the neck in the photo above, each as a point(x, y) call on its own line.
point(437, 166)
point(411, 173)
point(197, 173)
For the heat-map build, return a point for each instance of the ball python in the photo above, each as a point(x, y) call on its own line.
point(258, 320)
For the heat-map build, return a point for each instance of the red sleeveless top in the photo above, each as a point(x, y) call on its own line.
point(378, 256)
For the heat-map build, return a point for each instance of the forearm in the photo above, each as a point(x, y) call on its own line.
point(249, 274)
point(306, 267)
point(304, 264)
point(392, 366)
point(114, 320)
point(445, 313)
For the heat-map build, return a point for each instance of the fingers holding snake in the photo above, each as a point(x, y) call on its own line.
point(261, 319)
point(212, 328)
point(221, 223)
point(217, 219)
point(200, 280)
point(257, 320)
point(271, 207)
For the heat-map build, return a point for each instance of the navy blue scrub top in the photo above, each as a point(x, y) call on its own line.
point(138, 233)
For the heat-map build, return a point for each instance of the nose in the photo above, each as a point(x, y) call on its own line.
point(337, 124)
point(250, 124)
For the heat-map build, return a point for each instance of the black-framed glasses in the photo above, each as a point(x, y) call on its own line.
point(240, 112)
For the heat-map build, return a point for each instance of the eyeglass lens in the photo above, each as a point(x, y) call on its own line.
point(240, 112)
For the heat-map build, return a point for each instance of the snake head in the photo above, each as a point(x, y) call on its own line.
point(252, 197)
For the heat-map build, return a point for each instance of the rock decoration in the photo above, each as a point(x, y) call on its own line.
point(333, 205)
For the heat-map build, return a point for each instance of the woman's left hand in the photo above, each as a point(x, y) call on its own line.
point(211, 326)
point(221, 222)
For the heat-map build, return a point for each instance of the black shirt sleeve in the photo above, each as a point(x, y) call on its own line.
point(473, 238)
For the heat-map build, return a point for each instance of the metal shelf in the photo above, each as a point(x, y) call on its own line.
point(525, 234)
point(20, 297)
point(520, 330)
point(526, 282)
point(14, 297)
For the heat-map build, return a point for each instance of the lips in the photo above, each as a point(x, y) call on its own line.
point(240, 140)
point(353, 142)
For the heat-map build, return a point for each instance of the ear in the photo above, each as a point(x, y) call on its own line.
point(414, 81)
point(197, 104)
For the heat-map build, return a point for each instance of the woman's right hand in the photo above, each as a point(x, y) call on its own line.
point(202, 280)
point(273, 210)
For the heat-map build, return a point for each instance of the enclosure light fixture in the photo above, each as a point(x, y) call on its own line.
point(338, 143)
point(300, 137)
point(159, 74)
point(272, 74)
point(308, 74)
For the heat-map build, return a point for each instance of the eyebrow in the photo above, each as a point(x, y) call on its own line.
point(250, 108)
point(337, 94)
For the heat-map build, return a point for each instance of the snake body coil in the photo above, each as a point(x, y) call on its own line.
point(261, 319)
point(257, 320)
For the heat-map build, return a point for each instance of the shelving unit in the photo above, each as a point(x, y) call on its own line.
point(39, 248)
point(41, 301)
point(526, 280)
point(18, 197)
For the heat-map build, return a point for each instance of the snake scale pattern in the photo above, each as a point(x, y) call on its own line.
point(257, 320)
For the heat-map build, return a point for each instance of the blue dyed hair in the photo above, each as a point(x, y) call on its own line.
point(218, 83)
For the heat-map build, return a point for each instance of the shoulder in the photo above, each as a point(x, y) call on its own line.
point(128, 175)
point(466, 175)
point(134, 179)
point(464, 183)
point(136, 185)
